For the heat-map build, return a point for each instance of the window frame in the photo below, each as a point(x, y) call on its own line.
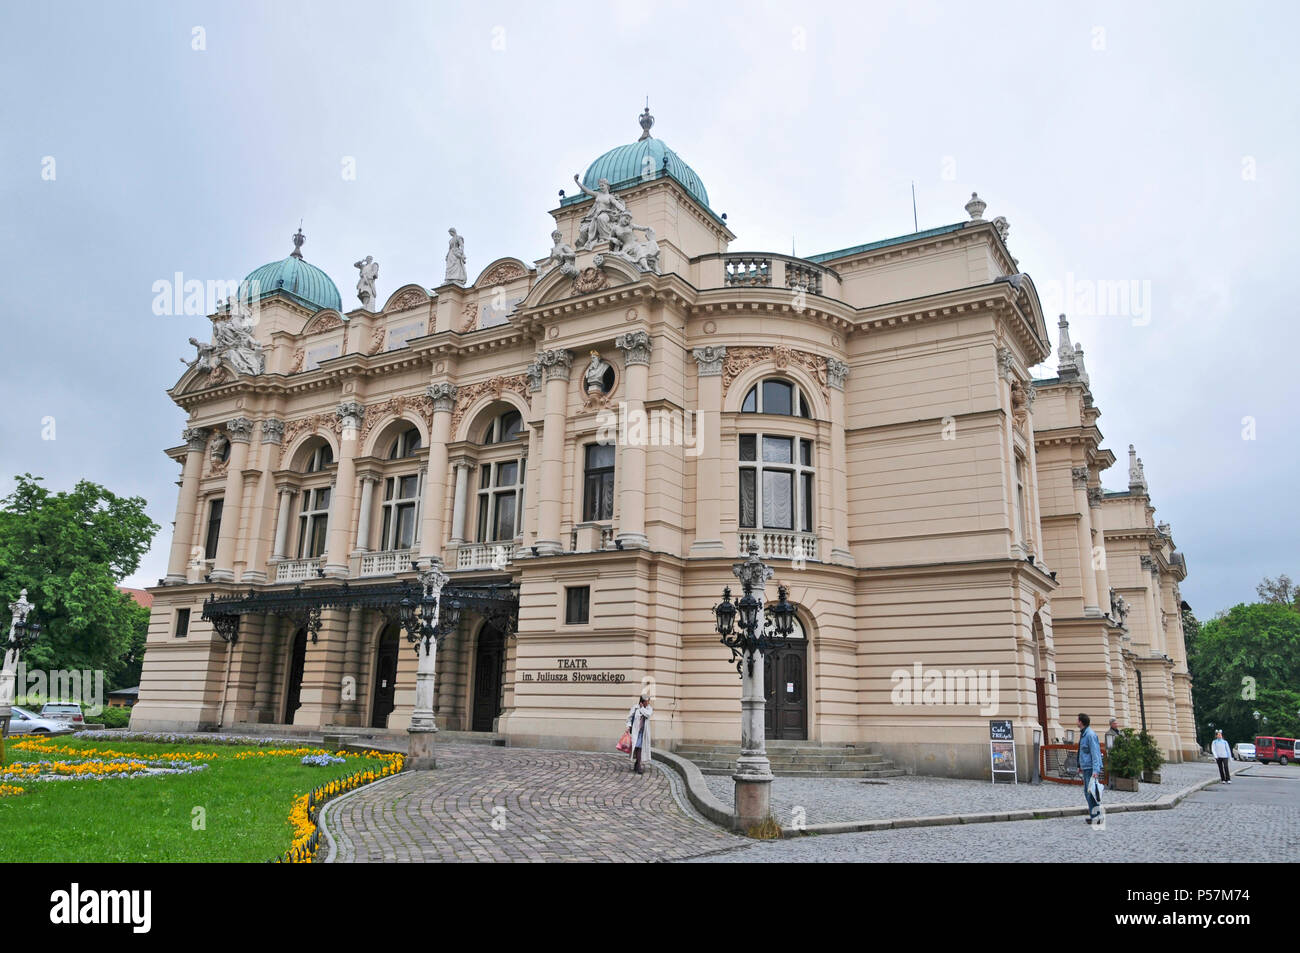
point(489, 494)
point(310, 519)
point(600, 479)
point(584, 605)
point(803, 482)
point(181, 623)
point(800, 407)
point(392, 506)
point(212, 536)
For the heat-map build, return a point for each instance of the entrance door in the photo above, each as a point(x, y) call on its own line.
point(1040, 686)
point(489, 672)
point(297, 659)
point(785, 686)
point(385, 678)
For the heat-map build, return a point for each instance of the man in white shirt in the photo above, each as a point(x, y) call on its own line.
point(1222, 755)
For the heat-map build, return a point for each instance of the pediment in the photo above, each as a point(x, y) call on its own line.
point(556, 286)
point(322, 321)
point(407, 297)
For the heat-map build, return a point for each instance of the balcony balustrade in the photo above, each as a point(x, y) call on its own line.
point(485, 555)
point(296, 570)
point(386, 563)
point(778, 545)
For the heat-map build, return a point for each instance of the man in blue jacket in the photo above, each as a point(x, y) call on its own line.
point(1090, 766)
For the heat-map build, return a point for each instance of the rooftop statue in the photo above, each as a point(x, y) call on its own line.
point(455, 260)
point(562, 255)
point(369, 269)
point(598, 224)
point(232, 341)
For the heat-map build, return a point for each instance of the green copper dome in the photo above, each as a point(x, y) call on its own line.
point(302, 281)
point(647, 158)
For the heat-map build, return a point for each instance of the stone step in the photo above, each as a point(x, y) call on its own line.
point(354, 735)
point(794, 759)
point(846, 775)
point(830, 766)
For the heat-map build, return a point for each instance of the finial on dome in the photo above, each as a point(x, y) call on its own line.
point(298, 239)
point(975, 207)
point(646, 120)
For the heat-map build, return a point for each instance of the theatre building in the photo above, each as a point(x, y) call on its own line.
point(585, 442)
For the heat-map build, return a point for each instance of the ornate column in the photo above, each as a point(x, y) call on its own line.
point(1091, 607)
point(635, 346)
point(837, 373)
point(264, 696)
point(350, 684)
point(435, 481)
point(256, 545)
point(350, 413)
point(708, 464)
point(555, 367)
point(286, 492)
point(187, 504)
point(464, 468)
point(239, 431)
point(368, 481)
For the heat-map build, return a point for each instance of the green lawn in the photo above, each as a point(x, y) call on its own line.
point(245, 807)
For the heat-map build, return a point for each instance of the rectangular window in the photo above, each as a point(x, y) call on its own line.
point(214, 529)
point(807, 517)
point(748, 498)
point(577, 605)
point(182, 623)
point(778, 499)
point(598, 492)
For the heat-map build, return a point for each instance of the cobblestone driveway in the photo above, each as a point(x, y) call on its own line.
point(521, 804)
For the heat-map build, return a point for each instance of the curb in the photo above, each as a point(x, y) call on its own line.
point(325, 812)
point(1168, 802)
point(701, 798)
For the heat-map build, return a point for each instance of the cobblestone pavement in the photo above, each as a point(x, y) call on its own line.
point(1255, 819)
point(484, 803)
point(832, 800)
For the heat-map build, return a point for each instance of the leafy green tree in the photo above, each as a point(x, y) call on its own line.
point(69, 550)
point(1247, 661)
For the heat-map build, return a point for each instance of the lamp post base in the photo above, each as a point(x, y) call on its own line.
point(421, 756)
point(753, 799)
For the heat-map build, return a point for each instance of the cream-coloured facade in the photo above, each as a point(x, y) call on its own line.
point(598, 436)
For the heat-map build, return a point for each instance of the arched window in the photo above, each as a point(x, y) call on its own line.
point(405, 444)
point(505, 427)
point(320, 458)
point(776, 396)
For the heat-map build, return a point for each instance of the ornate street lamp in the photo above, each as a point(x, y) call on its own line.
point(23, 633)
point(752, 634)
point(427, 622)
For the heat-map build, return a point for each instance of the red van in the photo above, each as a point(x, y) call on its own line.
point(1281, 750)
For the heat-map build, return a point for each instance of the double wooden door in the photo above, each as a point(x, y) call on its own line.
point(785, 688)
point(489, 673)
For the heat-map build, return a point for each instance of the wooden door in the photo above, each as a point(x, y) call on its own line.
point(385, 678)
point(785, 687)
point(489, 672)
point(297, 659)
point(1040, 686)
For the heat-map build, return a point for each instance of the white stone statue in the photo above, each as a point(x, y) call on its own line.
point(455, 260)
point(624, 243)
point(594, 378)
point(233, 342)
point(598, 224)
point(369, 269)
point(562, 255)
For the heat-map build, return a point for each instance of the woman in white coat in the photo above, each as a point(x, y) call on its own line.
point(638, 725)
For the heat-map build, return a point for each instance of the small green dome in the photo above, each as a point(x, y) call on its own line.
point(647, 158)
point(295, 277)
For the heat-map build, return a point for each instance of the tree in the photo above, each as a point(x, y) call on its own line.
point(69, 550)
point(1280, 591)
point(1245, 662)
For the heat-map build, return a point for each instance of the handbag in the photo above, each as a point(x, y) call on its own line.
point(625, 743)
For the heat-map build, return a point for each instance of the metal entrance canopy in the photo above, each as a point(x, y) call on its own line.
point(497, 602)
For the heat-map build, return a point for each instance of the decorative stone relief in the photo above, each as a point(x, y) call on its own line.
point(327, 323)
point(469, 394)
point(592, 278)
point(469, 316)
point(635, 346)
point(708, 360)
point(1079, 477)
point(443, 396)
point(1094, 496)
point(1003, 227)
point(272, 430)
point(837, 372)
point(196, 438)
point(410, 298)
point(1006, 363)
point(312, 424)
point(350, 413)
point(534, 374)
point(1148, 563)
point(377, 341)
point(739, 359)
point(500, 273)
point(298, 356)
point(420, 405)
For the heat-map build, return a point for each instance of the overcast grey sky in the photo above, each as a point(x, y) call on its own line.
point(1148, 143)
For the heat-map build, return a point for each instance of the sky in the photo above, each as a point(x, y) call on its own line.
point(1153, 147)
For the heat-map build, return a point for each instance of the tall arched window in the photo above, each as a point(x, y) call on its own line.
point(505, 427)
point(776, 396)
point(320, 458)
point(405, 444)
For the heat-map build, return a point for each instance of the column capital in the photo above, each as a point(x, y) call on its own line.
point(272, 430)
point(1094, 496)
point(1079, 477)
point(1148, 563)
point(285, 486)
point(351, 413)
point(555, 364)
point(370, 476)
point(635, 346)
point(196, 438)
point(464, 462)
point(708, 360)
point(837, 373)
point(239, 429)
point(534, 377)
point(443, 395)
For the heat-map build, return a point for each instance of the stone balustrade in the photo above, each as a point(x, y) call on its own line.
point(386, 563)
point(779, 545)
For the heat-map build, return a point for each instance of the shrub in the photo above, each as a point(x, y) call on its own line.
point(1125, 758)
point(115, 717)
point(1152, 759)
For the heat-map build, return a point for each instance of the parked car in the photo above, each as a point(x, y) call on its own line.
point(1243, 751)
point(69, 712)
point(1268, 750)
point(24, 722)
